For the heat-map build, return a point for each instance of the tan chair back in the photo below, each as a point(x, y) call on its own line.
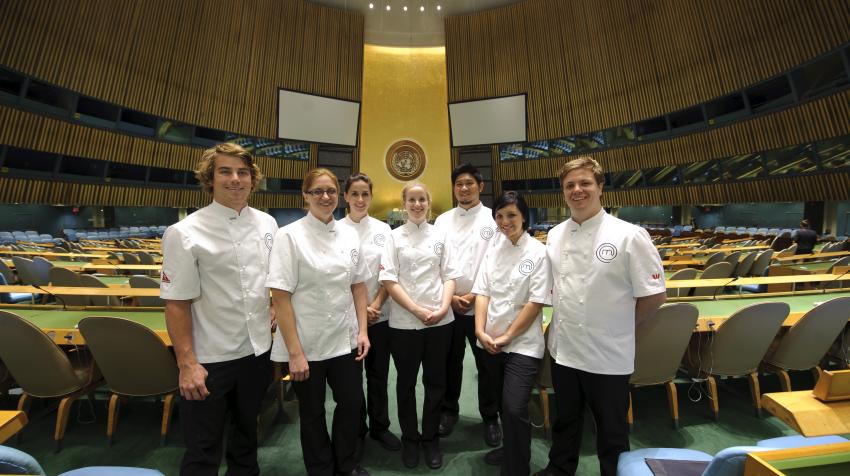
point(744, 265)
point(661, 341)
point(732, 258)
point(714, 259)
point(146, 282)
point(682, 274)
point(761, 263)
point(26, 270)
point(742, 340)
point(89, 281)
point(117, 343)
point(810, 338)
point(35, 362)
point(66, 277)
point(7, 273)
point(716, 271)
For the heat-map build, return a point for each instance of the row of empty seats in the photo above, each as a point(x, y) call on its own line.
point(123, 232)
point(29, 236)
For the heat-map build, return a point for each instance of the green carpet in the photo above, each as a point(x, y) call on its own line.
point(137, 437)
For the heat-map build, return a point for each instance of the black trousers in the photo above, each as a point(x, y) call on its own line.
point(410, 349)
point(237, 388)
point(377, 366)
point(325, 455)
point(514, 375)
point(488, 405)
point(608, 399)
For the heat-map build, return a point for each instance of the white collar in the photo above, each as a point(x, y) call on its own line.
point(588, 225)
point(318, 225)
point(472, 211)
point(225, 212)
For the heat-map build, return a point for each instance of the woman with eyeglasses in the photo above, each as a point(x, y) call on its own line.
point(317, 278)
point(512, 286)
point(419, 276)
point(373, 235)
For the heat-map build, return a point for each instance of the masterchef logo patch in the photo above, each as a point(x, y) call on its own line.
point(438, 248)
point(606, 252)
point(487, 233)
point(355, 257)
point(379, 239)
point(526, 266)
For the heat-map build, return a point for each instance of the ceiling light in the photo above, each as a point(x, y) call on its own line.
point(405, 8)
point(439, 7)
point(388, 8)
point(421, 8)
point(371, 5)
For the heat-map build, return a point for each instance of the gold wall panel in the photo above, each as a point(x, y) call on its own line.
point(32, 131)
point(820, 119)
point(811, 188)
point(404, 98)
point(214, 63)
point(19, 190)
point(589, 65)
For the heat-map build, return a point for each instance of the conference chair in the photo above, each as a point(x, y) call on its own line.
point(43, 370)
point(66, 277)
point(805, 344)
point(716, 271)
point(89, 281)
point(682, 274)
point(26, 270)
point(146, 258)
point(714, 259)
point(131, 258)
point(42, 270)
point(116, 345)
point(146, 282)
point(845, 261)
point(790, 251)
point(738, 347)
point(744, 265)
point(660, 344)
point(732, 258)
point(13, 298)
point(7, 273)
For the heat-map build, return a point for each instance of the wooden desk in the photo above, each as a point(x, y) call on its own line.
point(11, 422)
point(820, 460)
point(808, 415)
point(50, 254)
point(812, 256)
point(82, 291)
point(121, 250)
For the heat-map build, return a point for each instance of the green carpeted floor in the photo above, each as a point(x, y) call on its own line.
point(137, 438)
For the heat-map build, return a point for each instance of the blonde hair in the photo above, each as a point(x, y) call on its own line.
point(205, 169)
point(583, 162)
point(421, 185)
point(313, 175)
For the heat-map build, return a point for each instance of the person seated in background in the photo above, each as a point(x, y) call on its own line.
point(805, 237)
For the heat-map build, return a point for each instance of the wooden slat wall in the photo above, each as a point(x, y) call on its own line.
point(215, 63)
point(32, 131)
point(17, 190)
point(589, 65)
point(821, 119)
point(831, 186)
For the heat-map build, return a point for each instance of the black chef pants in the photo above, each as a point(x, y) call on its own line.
point(464, 331)
point(377, 365)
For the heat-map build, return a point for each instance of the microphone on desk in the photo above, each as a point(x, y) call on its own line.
point(59, 299)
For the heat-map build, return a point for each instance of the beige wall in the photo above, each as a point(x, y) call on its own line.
point(404, 97)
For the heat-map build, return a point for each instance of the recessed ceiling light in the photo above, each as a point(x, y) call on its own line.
point(421, 8)
point(389, 8)
point(439, 7)
point(405, 8)
point(371, 5)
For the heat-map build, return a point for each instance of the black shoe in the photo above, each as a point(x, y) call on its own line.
point(447, 424)
point(410, 454)
point(492, 433)
point(357, 471)
point(545, 472)
point(433, 455)
point(494, 457)
point(358, 448)
point(387, 440)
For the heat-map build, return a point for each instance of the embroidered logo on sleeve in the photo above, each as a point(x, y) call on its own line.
point(606, 252)
point(379, 239)
point(656, 276)
point(164, 277)
point(438, 248)
point(526, 266)
point(486, 233)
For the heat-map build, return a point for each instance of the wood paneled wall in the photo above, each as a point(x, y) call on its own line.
point(589, 65)
point(829, 186)
point(821, 119)
point(215, 63)
point(32, 131)
point(17, 190)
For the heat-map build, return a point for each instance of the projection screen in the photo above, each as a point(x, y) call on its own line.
point(488, 121)
point(311, 118)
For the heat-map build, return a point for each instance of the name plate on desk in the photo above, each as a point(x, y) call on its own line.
point(833, 386)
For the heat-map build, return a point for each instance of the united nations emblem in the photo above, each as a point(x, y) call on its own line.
point(405, 160)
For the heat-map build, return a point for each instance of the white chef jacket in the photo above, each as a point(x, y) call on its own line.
point(599, 269)
point(218, 259)
point(511, 276)
point(373, 235)
point(416, 258)
point(468, 234)
point(317, 263)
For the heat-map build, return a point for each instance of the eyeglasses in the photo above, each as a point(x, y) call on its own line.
point(318, 192)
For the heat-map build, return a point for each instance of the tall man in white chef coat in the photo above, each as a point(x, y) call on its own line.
point(217, 311)
point(469, 229)
point(607, 278)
